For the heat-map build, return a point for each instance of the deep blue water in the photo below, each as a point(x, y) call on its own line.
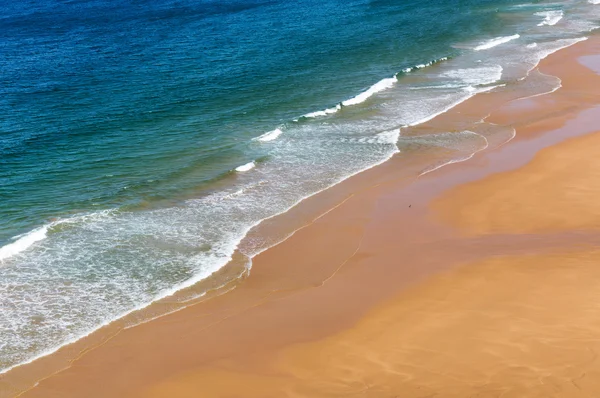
point(122, 124)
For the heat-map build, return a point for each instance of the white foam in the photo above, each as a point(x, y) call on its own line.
point(477, 90)
point(407, 70)
point(377, 87)
point(532, 45)
point(270, 136)
point(495, 42)
point(395, 133)
point(381, 85)
point(594, 1)
point(325, 112)
point(551, 18)
point(388, 137)
point(441, 111)
point(476, 76)
point(245, 167)
point(421, 66)
point(23, 242)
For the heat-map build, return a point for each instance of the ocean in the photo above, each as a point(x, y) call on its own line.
point(141, 140)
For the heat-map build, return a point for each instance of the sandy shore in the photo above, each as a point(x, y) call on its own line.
point(554, 192)
point(477, 279)
point(490, 329)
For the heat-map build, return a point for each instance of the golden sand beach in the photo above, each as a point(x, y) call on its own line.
point(514, 326)
point(479, 279)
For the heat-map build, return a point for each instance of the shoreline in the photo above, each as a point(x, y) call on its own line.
point(195, 287)
point(344, 245)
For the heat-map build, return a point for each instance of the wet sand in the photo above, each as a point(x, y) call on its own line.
point(515, 326)
point(472, 280)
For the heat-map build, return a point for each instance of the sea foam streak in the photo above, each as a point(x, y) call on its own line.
point(421, 66)
point(325, 112)
point(269, 136)
point(476, 76)
point(377, 87)
point(550, 17)
point(23, 242)
point(245, 167)
point(495, 42)
point(388, 137)
point(360, 98)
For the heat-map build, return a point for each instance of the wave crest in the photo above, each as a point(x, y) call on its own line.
point(381, 85)
point(245, 167)
point(495, 42)
point(421, 66)
point(325, 112)
point(270, 136)
point(23, 242)
point(551, 18)
point(375, 88)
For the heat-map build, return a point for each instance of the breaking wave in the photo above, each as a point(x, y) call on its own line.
point(495, 42)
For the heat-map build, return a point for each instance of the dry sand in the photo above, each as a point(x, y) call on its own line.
point(379, 299)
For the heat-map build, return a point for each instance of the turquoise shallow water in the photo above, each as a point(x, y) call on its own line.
point(139, 141)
